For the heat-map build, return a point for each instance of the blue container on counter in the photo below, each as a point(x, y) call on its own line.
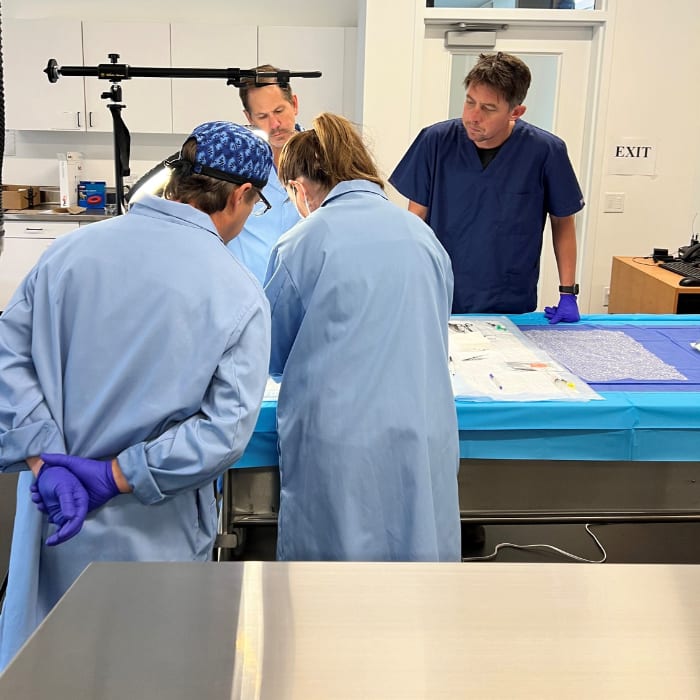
point(91, 194)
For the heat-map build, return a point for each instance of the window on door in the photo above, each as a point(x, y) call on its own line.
point(517, 4)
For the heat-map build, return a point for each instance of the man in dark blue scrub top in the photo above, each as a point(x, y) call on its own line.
point(485, 184)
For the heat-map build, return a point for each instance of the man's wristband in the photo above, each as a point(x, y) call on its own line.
point(564, 289)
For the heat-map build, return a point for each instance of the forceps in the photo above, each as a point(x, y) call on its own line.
point(461, 326)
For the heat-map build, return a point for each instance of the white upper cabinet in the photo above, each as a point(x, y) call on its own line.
point(31, 101)
point(199, 100)
point(165, 105)
point(148, 100)
point(328, 49)
point(74, 102)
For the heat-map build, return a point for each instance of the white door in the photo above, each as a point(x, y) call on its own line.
point(559, 100)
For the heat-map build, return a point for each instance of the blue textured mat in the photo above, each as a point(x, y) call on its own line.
point(669, 343)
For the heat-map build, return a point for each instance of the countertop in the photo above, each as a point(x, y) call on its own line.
point(43, 213)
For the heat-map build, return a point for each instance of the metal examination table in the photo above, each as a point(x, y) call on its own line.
point(277, 631)
point(632, 457)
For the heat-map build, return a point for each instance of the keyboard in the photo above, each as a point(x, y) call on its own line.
point(682, 268)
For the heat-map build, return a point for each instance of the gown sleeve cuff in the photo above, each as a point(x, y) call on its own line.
point(134, 465)
point(28, 441)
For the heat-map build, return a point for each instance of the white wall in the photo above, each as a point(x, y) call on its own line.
point(652, 92)
point(388, 50)
point(34, 160)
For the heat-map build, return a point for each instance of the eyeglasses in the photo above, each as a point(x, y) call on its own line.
point(262, 205)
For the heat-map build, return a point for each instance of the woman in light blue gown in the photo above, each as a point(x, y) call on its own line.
point(360, 294)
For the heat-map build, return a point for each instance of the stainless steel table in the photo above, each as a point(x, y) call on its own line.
point(272, 630)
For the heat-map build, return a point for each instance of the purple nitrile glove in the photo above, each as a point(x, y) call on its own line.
point(39, 501)
point(94, 475)
point(566, 310)
point(64, 499)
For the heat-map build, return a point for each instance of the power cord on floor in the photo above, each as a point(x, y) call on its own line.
point(550, 547)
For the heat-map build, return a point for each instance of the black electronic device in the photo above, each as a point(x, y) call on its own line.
point(690, 282)
point(685, 269)
point(568, 289)
point(690, 253)
point(661, 255)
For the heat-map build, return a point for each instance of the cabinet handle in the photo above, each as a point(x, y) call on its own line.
point(79, 125)
point(90, 119)
point(26, 228)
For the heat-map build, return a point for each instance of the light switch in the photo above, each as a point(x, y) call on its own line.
point(614, 202)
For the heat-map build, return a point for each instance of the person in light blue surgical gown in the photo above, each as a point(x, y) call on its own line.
point(271, 109)
point(360, 294)
point(139, 347)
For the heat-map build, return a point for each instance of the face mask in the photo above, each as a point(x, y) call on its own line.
point(295, 188)
point(308, 208)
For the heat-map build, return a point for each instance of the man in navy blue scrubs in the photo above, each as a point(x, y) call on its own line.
point(485, 184)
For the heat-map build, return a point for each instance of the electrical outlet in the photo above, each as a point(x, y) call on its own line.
point(606, 296)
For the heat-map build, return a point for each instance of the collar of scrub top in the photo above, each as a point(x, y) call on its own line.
point(347, 186)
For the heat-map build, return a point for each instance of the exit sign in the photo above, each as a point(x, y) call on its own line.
point(631, 156)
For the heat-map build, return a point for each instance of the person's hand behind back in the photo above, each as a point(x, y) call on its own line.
point(58, 493)
point(95, 475)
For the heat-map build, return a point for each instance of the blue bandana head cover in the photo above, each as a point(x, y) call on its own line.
point(231, 152)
